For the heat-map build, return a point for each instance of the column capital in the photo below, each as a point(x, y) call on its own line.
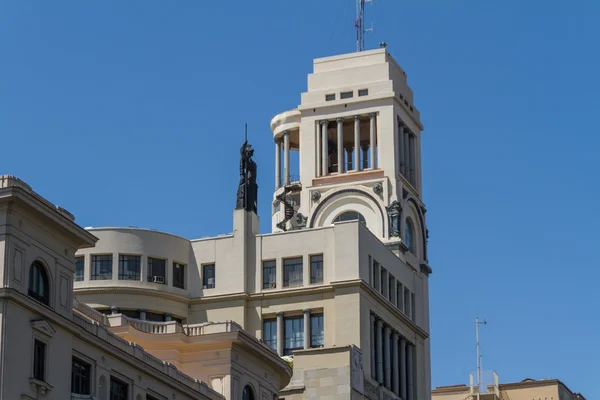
point(143, 310)
point(168, 314)
point(357, 117)
point(340, 119)
point(306, 310)
point(286, 133)
point(324, 122)
point(372, 115)
point(279, 313)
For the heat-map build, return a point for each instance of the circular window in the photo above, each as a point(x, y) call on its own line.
point(350, 216)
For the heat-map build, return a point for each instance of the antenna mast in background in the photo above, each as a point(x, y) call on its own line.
point(359, 24)
point(477, 323)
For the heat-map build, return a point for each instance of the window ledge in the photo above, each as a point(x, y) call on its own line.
point(75, 396)
point(41, 386)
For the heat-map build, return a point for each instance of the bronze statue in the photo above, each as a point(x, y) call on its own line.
point(247, 194)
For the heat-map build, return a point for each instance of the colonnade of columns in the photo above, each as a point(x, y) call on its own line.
point(359, 156)
point(407, 153)
point(392, 362)
point(281, 330)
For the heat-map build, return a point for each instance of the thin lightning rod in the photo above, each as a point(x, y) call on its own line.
point(246, 135)
point(359, 24)
point(477, 323)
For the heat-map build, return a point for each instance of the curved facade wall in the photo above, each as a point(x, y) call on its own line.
point(136, 270)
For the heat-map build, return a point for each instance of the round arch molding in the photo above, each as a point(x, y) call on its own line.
point(350, 200)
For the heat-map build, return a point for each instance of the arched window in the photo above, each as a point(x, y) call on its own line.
point(350, 216)
point(247, 394)
point(408, 235)
point(39, 287)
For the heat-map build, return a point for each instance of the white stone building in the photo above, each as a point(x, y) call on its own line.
point(340, 285)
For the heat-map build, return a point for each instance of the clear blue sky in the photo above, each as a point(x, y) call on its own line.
point(132, 113)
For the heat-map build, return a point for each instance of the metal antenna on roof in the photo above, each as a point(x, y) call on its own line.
point(477, 323)
point(246, 133)
point(359, 24)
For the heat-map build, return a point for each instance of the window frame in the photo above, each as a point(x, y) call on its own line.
point(273, 328)
point(330, 97)
point(149, 269)
point(39, 273)
point(314, 279)
point(183, 268)
point(138, 276)
point(359, 217)
point(95, 276)
point(347, 95)
point(205, 283)
point(273, 272)
point(79, 274)
point(249, 391)
point(409, 235)
point(39, 367)
point(295, 265)
point(75, 359)
point(116, 379)
point(363, 92)
point(320, 316)
point(298, 338)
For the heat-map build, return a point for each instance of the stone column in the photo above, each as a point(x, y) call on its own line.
point(340, 145)
point(324, 148)
point(373, 145)
point(395, 372)
point(280, 337)
point(277, 165)
point(409, 371)
point(286, 157)
point(143, 312)
point(387, 355)
point(356, 164)
point(406, 154)
point(306, 312)
point(379, 335)
point(114, 310)
point(318, 151)
point(401, 149)
point(373, 348)
point(365, 158)
point(403, 369)
point(168, 316)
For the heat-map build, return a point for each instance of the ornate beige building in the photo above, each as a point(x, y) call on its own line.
point(339, 289)
point(527, 389)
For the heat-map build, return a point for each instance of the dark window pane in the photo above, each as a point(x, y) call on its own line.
point(118, 389)
point(316, 330)
point(408, 235)
point(292, 272)
point(350, 216)
point(129, 267)
point(80, 377)
point(363, 92)
point(38, 283)
point(247, 394)
point(79, 267)
point(269, 274)
point(179, 275)
point(101, 267)
point(155, 317)
point(135, 314)
point(329, 97)
point(346, 95)
point(294, 334)
point(157, 270)
point(270, 333)
point(208, 276)
point(39, 360)
point(316, 269)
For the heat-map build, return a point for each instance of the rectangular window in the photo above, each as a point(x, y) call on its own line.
point(270, 333)
point(79, 265)
point(208, 276)
point(101, 267)
point(316, 330)
point(129, 267)
point(269, 274)
point(371, 280)
point(406, 301)
point(329, 97)
point(118, 389)
point(376, 275)
point(346, 95)
point(39, 360)
point(391, 290)
point(399, 293)
point(413, 308)
point(179, 275)
point(157, 270)
point(294, 335)
point(292, 272)
point(80, 377)
point(363, 92)
point(316, 268)
point(383, 282)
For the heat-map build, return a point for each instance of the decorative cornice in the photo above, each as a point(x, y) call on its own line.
point(426, 269)
point(84, 291)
